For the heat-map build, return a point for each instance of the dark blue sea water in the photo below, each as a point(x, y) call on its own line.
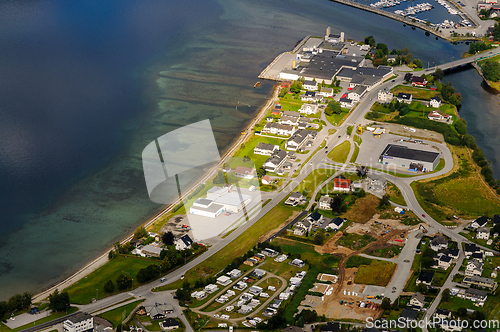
point(86, 85)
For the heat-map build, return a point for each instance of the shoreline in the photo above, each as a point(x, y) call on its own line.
point(103, 257)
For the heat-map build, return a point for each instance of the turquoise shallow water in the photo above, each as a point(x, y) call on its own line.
point(86, 86)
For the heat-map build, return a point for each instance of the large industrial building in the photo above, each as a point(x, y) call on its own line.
point(412, 159)
point(219, 200)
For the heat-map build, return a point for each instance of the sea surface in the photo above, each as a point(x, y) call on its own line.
point(86, 85)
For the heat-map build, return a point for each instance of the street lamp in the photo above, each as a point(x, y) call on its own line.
point(96, 294)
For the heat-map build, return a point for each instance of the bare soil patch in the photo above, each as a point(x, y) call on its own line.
point(363, 209)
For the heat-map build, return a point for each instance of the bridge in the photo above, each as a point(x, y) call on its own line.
point(455, 64)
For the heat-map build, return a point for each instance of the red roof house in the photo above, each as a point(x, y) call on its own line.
point(340, 183)
point(418, 81)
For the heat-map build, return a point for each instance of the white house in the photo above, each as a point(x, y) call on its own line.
point(265, 149)
point(223, 280)
point(310, 85)
point(278, 129)
point(479, 222)
point(266, 179)
point(80, 322)
point(404, 98)
point(437, 115)
point(356, 93)
point(385, 96)
point(326, 92)
point(324, 202)
point(335, 224)
point(276, 161)
point(435, 102)
point(309, 109)
point(199, 295)
point(439, 242)
point(417, 301)
point(234, 273)
point(310, 96)
point(184, 242)
point(245, 172)
point(300, 139)
point(444, 262)
point(483, 233)
point(474, 267)
point(289, 120)
point(346, 102)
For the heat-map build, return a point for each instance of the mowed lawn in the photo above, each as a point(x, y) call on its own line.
point(378, 273)
point(247, 150)
point(337, 119)
point(314, 180)
point(417, 93)
point(354, 241)
point(85, 290)
point(115, 316)
point(340, 152)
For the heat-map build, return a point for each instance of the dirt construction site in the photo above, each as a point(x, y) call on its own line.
point(342, 298)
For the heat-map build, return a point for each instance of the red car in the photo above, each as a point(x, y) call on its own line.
point(423, 215)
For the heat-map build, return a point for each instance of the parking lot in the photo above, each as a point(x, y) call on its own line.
point(372, 147)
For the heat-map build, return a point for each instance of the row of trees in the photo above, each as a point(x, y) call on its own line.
point(476, 47)
point(491, 71)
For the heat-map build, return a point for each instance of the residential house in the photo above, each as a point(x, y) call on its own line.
point(169, 324)
point(266, 179)
point(234, 273)
point(184, 242)
point(289, 120)
point(439, 242)
point(151, 251)
point(302, 227)
point(224, 280)
point(278, 129)
point(315, 218)
point(433, 87)
point(275, 161)
point(425, 277)
point(474, 267)
point(435, 102)
point(199, 295)
point(340, 183)
point(258, 273)
point(442, 313)
point(437, 115)
point(310, 85)
point(297, 262)
point(471, 248)
point(417, 301)
point(240, 285)
point(310, 96)
point(496, 219)
point(300, 138)
point(478, 255)
point(479, 281)
point(443, 261)
point(251, 262)
point(453, 253)
point(346, 102)
point(245, 309)
point(418, 81)
point(474, 295)
point(335, 224)
point(326, 92)
point(483, 233)
point(356, 93)
point(385, 96)
point(295, 199)
point(391, 58)
point(309, 109)
point(256, 290)
point(324, 202)
point(265, 149)
point(211, 288)
point(479, 222)
point(159, 311)
point(269, 252)
point(404, 98)
point(408, 314)
point(245, 172)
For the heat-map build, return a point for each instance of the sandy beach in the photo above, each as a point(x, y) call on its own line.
point(103, 258)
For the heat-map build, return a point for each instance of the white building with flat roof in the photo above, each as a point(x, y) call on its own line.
point(219, 200)
point(81, 322)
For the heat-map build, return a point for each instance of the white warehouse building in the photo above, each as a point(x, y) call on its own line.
point(219, 200)
point(411, 159)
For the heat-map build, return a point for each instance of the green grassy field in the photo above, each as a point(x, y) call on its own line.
point(377, 273)
point(388, 252)
point(417, 93)
point(340, 152)
point(85, 290)
point(354, 154)
point(354, 241)
point(247, 150)
point(313, 180)
point(395, 194)
point(338, 119)
point(115, 316)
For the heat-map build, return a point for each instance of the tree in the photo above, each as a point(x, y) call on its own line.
point(59, 301)
point(427, 258)
point(383, 48)
point(261, 172)
point(220, 178)
point(385, 201)
point(491, 71)
point(336, 204)
point(422, 288)
point(168, 238)
point(109, 287)
point(123, 281)
point(386, 304)
point(449, 94)
point(438, 74)
point(462, 312)
point(418, 63)
point(461, 126)
point(140, 233)
point(4, 309)
point(296, 87)
point(333, 107)
point(111, 254)
point(19, 302)
point(319, 237)
point(469, 141)
point(446, 295)
point(370, 41)
point(404, 110)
